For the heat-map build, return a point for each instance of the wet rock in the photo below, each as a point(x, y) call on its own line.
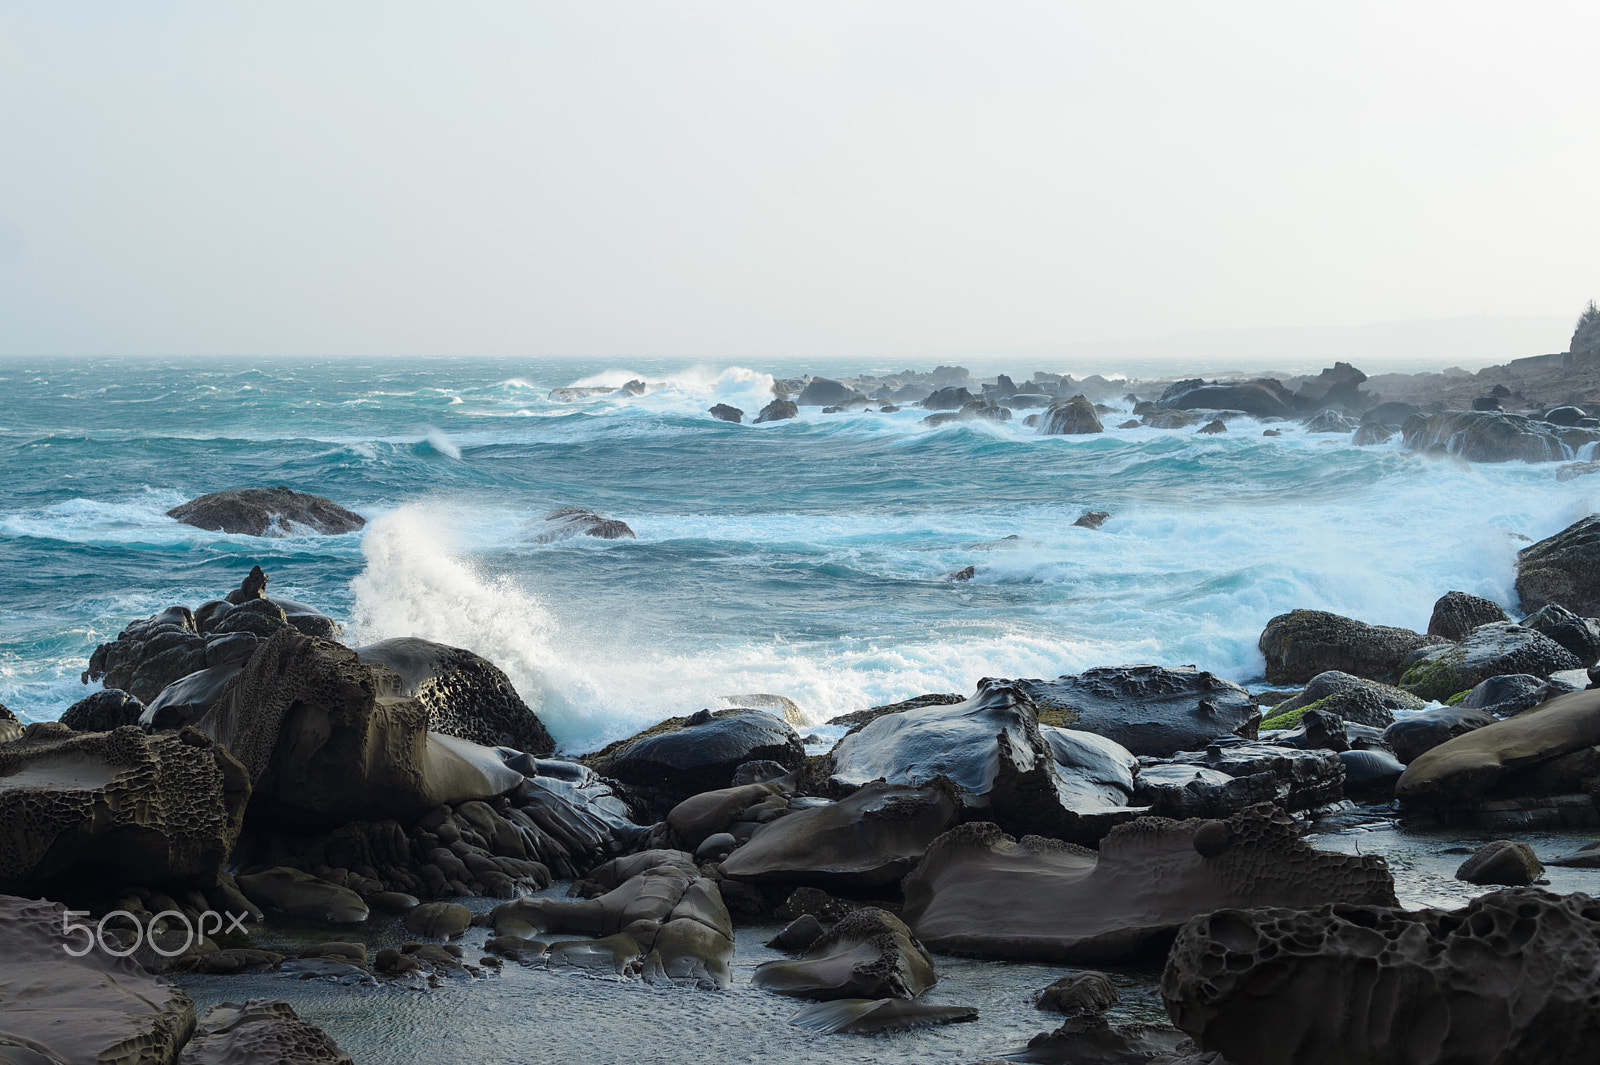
point(948, 398)
point(1487, 651)
point(149, 654)
point(1215, 425)
point(1486, 436)
point(438, 920)
point(861, 1016)
point(1092, 519)
point(103, 711)
point(723, 412)
point(965, 574)
point(1090, 1039)
point(1352, 698)
point(267, 512)
point(57, 1008)
point(1505, 694)
point(868, 954)
point(567, 522)
point(1581, 636)
point(466, 696)
point(300, 894)
point(1510, 977)
point(1096, 773)
point(1563, 569)
point(1303, 643)
point(328, 738)
point(1072, 417)
point(1150, 710)
point(778, 410)
point(979, 892)
point(256, 1032)
point(1456, 614)
point(1329, 421)
point(710, 813)
point(1585, 857)
point(1497, 757)
point(1415, 734)
point(1502, 862)
point(685, 756)
point(1182, 790)
point(1371, 434)
point(187, 699)
point(1079, 992)
point(1370, 776)
point(155, 810)
point(1565, 415)
point(865, 841)
point(822, 392)
point(1168, 419)
point(799, 935)
point(1299, 779)
point(1262, 398)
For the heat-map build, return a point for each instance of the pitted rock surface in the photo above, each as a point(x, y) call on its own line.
point(1457, 613)
point(1491, 650)
point(465, 695)
point(1303, 643)
point(259, 1031)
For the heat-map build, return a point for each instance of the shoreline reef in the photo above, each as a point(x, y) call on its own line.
point(242, 768)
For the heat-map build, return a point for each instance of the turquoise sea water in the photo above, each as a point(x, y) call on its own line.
point(803, 558)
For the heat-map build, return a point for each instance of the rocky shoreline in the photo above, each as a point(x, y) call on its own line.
point(243, 769)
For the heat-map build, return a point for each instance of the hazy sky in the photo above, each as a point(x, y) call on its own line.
point(734, 179)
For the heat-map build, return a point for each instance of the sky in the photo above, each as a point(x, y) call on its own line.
point(726, 180)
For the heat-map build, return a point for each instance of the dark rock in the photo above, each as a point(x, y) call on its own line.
point(1511, 977)
point(1487, 651)
point(1168, 419)
point(1352, 698)
point(1182, 790)
point(1131, 423)
point(725, 413)
point(1303, 643)
point(1329, 421)
point(685, 756)
point(1075, 416)
point(465, 695)
point(259, 1030)
point(299, 893)
point(149, 654)
point(1581, 636)
point(1263, 398)
point(1414, 734)
point(798, 935)
point(1150, 710)
point(1565, 416)
point(1457, 613)
point(1505, 694)
point(1370, 775)
point(1563, 569)
point(1092, 519)
point(84, 808)
point(1502, 862)
point(1489, 403)
point(1027, 400)
point(778, 410)
point(266, 512)
point(866, 1016)
point(979, 892)
point(1090, 1039)
point(1486, 436)
point(1215, 425)
point(566, 522)
point(1298, 779)
point(1079, 992)
point(965, 574)
point(1371, 434)
point(949, 398)
point(822, 392)
point(1392, 414)
point(103, 711)
point(710, 813)
point(438, 920)
point(188, 699)
point(865, 841)
point(1585, 857)
point(868, 954)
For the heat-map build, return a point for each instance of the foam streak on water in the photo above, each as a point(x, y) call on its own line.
point(803, 558)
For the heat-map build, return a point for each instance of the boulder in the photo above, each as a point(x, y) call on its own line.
point(1168, 419)
point(1262, 398)
point(1512, 977)
point(864, 842)
point(328, 738)
point(1092, 519)
point(438, 920)
point(1371, 434)
point(1567, 416)
point(1392, 414)
point(10, 727)
point(566, 522)
point(116, 808)
point(1090, 1039)
point(1303, 643)
point(868, 954)
point(1563, 569)
point(1370, 775)
point(149, 654)
point(1506, 694)
point(991, 748)
point(1072, 417)
point(267, 512)
point(1488, 651)
point(1185, 789)
point(1352, 698)
point(1292, 778)
point(1496, 758)
point(1211, 428)
point(1502, 862)
point(300, 894)
point(1150, 710)
point(1581, 636)
point(822, 392)
point(103, 711)
point(1079, 992)
point(57, 1008)
point(979, 892)
point(259, 1031)
point(699, 817)
point(1415, 734)
point(778, 410)
point(1485, 436)
point(187, 699)
point(724, 413)
point(948, 398)
point(466, 696)
point(684, 756)
point(1456, 614)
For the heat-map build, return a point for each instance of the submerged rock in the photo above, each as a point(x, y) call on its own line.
point(1303, 643)
point(868, 954)
point(980, 892)
point(567, 522)
point(778, 410)
point(724, 413)
point(1150, 710)
point(299, 893)
point(1079, 992)
point(267, 512)
point(1072, 417)
point(1513, 976)
point(1090, 1039)
point(870, 1016)
point(1563, 569)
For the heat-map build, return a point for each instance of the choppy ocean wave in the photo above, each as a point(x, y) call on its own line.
point(805, 558)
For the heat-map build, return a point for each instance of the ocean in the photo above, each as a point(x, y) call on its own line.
point(804, 558)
